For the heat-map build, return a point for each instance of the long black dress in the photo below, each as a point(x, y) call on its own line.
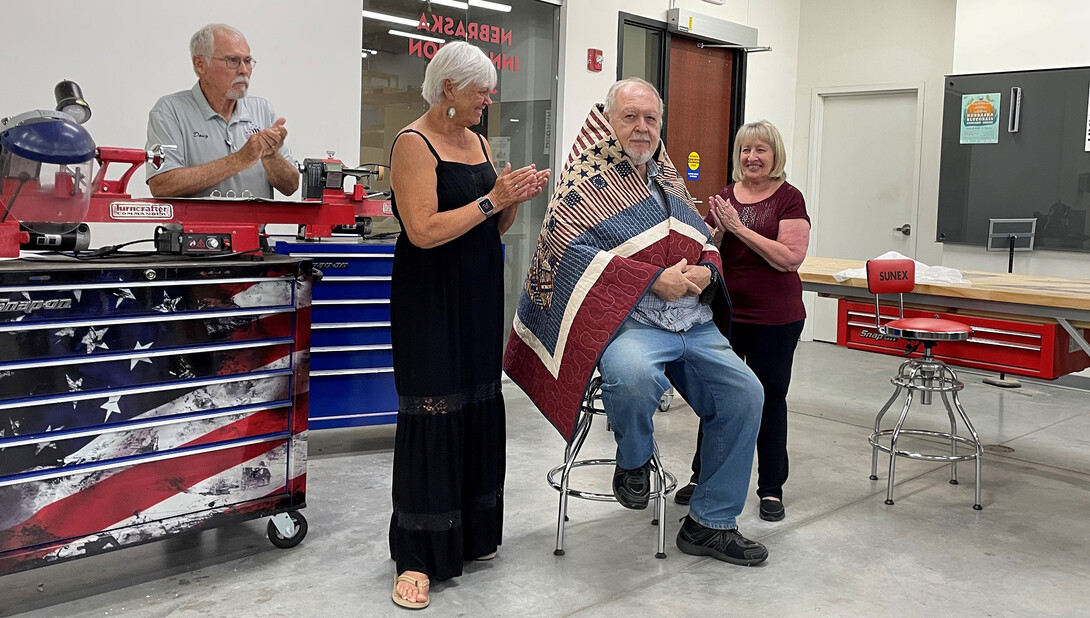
point(446, 318)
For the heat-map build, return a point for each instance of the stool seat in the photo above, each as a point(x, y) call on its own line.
point(927, 329)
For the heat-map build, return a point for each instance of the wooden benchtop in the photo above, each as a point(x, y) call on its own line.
point(1015, 288)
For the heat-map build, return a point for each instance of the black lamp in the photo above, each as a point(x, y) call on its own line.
point(70, 101)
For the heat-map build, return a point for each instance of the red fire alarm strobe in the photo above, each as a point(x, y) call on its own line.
point(594, 60)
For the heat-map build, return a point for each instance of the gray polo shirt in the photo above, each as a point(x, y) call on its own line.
point(186, 120)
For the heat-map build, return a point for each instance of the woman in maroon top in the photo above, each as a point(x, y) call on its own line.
point(762, 230)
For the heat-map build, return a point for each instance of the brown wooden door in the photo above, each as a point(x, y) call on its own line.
point(698, 114)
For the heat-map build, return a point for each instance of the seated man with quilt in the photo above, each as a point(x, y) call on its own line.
point(621, 280)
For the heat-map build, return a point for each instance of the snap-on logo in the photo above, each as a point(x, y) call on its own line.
point(869, 334)
point(893, 275)
point(30, 306)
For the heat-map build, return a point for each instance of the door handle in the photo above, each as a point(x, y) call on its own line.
point(905, 229)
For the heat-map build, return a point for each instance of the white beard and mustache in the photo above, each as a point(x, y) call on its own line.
point(641, 157)
point(241, 79)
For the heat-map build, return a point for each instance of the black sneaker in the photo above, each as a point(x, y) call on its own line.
point(726, 545)
point(685, 494)
point(632, 488)
point(772, 510)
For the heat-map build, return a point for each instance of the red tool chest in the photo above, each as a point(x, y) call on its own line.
point(1037, 349)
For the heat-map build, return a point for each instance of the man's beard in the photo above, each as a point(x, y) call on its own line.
point(642, 157)
point(235, 95)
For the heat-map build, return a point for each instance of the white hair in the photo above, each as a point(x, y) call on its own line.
point(463, 64)
point(611, 96)
point(203, 43)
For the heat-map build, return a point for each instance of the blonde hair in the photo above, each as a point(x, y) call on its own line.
point(766, 132)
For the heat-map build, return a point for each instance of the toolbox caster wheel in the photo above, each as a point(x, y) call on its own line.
point(664, 403)
point(295, 520)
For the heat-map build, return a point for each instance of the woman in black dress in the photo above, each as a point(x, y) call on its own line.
point(446, 318)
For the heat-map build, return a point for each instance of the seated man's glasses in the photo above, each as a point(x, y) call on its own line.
point(232, 62)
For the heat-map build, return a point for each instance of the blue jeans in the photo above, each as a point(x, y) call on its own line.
point(713, 380)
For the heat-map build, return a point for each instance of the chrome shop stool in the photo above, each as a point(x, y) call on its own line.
point(926, 375)
point(662, 482)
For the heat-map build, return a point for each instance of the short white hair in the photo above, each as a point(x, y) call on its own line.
point(463, 64)
point(203, 42)
point(611, 96)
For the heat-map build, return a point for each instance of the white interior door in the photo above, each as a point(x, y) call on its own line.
point(864, 181)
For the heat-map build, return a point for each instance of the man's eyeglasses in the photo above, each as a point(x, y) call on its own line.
point(232, 62)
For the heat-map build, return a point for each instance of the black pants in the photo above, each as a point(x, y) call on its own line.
point(769, 352)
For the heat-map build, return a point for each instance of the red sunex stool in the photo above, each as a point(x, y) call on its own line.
point(926, 374)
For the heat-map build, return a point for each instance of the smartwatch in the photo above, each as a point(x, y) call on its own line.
point(486, 206)
point(714, 273)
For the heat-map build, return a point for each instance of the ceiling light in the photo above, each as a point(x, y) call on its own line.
point(413, 35)
point(458, 4)
point(363, 54)
point(404, 21)
point(494, 6)
point(512, 119)
point(370, 51)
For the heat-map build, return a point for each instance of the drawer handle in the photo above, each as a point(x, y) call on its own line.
point(1004, 344)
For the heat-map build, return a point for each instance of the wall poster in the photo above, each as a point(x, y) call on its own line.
point(980, 118)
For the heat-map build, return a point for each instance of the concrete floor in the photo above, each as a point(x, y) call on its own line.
point(840, 551)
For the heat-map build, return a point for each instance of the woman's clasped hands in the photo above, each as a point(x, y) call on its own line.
point(725, 216)
point(515, 187)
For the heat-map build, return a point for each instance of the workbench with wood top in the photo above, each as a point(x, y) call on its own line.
point(1007, 298)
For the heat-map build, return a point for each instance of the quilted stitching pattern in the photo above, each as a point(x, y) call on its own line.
point(586, 276)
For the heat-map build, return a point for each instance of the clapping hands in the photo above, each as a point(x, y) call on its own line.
point(266, 142)
point(515, 187)
point(725, 216)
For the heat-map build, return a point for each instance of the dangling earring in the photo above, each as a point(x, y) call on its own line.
point(451, 111)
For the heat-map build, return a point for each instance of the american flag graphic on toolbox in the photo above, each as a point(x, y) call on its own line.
point(133, 408)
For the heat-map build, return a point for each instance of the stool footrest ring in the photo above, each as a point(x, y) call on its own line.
point(942, 385)
point(671, 481)
point(874, 437)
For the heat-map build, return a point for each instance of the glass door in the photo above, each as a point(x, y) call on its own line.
point(520, 36)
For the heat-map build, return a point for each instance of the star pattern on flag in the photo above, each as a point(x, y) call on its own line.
point(73, 385)
point(78, 295)
point(123, 294)
point(169, 305)
point(133, 362)
point(111, 406)
point(94, 339)
point(44, 445)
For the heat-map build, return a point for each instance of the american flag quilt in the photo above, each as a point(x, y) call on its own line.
point(132, 409)
point(603, 243)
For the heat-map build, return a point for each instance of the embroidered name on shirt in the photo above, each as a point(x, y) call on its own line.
point(200, 135)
